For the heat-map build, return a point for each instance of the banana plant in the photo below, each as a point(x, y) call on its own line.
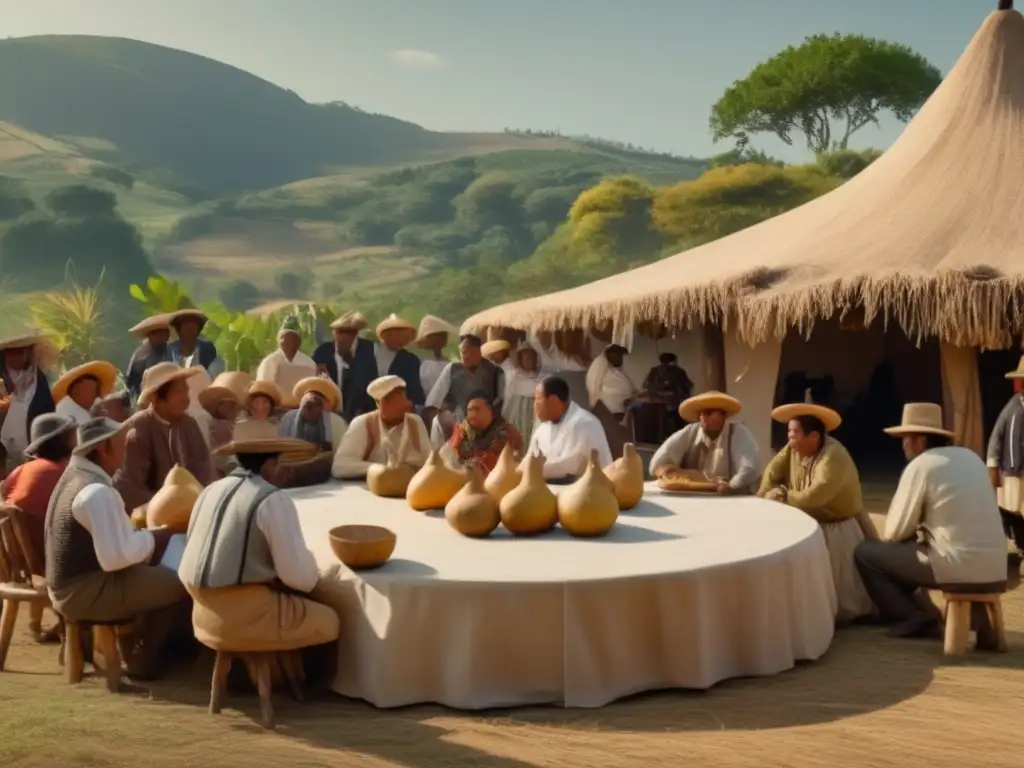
point(160, 295)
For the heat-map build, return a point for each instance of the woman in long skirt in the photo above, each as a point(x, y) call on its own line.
point(518, 408)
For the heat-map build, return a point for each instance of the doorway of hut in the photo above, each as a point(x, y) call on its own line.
point(866, 374)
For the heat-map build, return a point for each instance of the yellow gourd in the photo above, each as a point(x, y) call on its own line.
point(504, 477)
point(390, 479)
point(472, 512)
point(433, 485)
point(171, 506)
point(588, 507)
point(529, 508)
point(627, 476)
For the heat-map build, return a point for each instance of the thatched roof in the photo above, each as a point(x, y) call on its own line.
point(930, 235)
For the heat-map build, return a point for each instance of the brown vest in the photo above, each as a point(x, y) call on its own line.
point(69, 547)
point(373, 434)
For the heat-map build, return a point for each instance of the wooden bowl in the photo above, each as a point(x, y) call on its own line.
point(362, 546)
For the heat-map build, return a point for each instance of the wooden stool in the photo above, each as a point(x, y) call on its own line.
point(991, 637)
point(263, 669)
point(104, 634)
point(17, 564)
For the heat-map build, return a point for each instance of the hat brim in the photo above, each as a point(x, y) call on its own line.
point(188, 314)
point(152, 323)
point(909, 429)
point(421, 341)
point(103, 372)
point(323, 387)
point(35, 445)
point(691, 408)
point(212, 395)
point(264, 389)
point(84, 448)
point(378, 396)
point(279, 445)
point(146, 397)
point(21, 342)
point(830, 418)
point(397, 325)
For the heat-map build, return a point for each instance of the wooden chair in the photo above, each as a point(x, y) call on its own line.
point(264, 669)
point(17, 562)
point(958, 610)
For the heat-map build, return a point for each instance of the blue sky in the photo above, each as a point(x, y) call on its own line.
point(644, 71)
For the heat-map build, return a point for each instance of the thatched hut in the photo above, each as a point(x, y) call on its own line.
point(922, 253)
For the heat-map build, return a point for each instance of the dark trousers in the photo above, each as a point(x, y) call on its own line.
point(893, 572)
point(1013, 524)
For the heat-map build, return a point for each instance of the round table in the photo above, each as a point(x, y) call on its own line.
point(684, 592)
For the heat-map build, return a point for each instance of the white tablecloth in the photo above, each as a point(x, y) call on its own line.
point(685, 591)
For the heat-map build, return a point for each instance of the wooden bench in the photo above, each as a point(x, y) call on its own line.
point(264, 669)
point(958, 610)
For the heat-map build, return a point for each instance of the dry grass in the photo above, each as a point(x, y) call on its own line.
point(870, 701)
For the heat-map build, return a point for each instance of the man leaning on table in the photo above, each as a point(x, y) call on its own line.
point(943, 529)
point(711, 443)
point(566, 434)
point(246, 564)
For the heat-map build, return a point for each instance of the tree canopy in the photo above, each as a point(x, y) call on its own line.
point(844, 79)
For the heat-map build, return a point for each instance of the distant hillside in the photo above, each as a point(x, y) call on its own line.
point(207, 124)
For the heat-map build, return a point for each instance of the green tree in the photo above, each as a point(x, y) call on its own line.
point(849, 79)
point(240, 295)
point(293, 285)
point(611, 223)
point(847, 163)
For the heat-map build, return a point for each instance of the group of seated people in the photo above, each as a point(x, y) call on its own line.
point(248, 573)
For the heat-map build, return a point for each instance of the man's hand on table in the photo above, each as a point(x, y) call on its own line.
point(724, 489)
point(666, 470)
point(777, 494)
point(161, 538)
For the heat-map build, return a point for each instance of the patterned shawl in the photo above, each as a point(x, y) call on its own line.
point(485, 445)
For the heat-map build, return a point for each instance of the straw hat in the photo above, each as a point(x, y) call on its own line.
point(94, 432)
point(920, 419)
point(691, 408)
point(151, 324)
point(266, 388)
point(188, 313)
point(395, 323)
point(826, 416)
point(430, 325)
point(260, 437)
point(102, 371)
point(494, 347)
point(1019, 373)
point(350, 321)
point(326, 388)
point(45, 428)
point(230, 385)
point(21, 342)
point(160, 374)
point(384, 386)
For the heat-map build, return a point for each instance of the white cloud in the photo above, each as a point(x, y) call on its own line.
point(417, 59)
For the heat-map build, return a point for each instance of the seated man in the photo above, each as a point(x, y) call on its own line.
point(723, 450)
point(566, 433)
point(246, 564)
point(315, 420)
point(78, 390)
point(943, 529)
point(161, 435)
point(29, 488)
point(481, 436)
point(98, 568)
point(390, 428)
point(816, 474)
point(117, 406)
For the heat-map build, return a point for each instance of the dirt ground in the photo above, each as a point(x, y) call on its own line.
point(870, 701)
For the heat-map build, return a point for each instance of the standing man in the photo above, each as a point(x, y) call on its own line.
point(943, 529)
point(189, 350)
point(433, 337)
point(155, 333)
point(393, 359)
point(611, 390)
point(1005, 462)
point(349, 362)
point(287, 365)
point(26, 393)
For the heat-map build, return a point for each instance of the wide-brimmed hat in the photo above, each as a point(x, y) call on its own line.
point(431, 325)
point(786, 413)
point(350, 321)
point(260, 437)
point(45, 352)
point(160, 374)
point(94, 432)
point(691, 408)
point(188, 313)
point(45, 428)
point(102, 371)
point(267, 389)
point(1019, 372)
point(920, 419)
point(21, 342)
point(153, 323)
point(395, 323)
point(324, 387)
point(230, 385)
point(494, 347)
point(384, 386)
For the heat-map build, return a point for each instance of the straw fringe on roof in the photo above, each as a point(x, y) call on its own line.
point(929, 236)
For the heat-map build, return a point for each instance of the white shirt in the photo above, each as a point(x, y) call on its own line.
point(946, 493)
point(14, 433)
point(567, 444)
point(342, 365)
point(72, 410)
point(285, 373)
point(385, 357)
point(616, 389)
point(430, 372)
point(349, 463)
point(99, 509)
point(743, 459)
point(278, 520)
